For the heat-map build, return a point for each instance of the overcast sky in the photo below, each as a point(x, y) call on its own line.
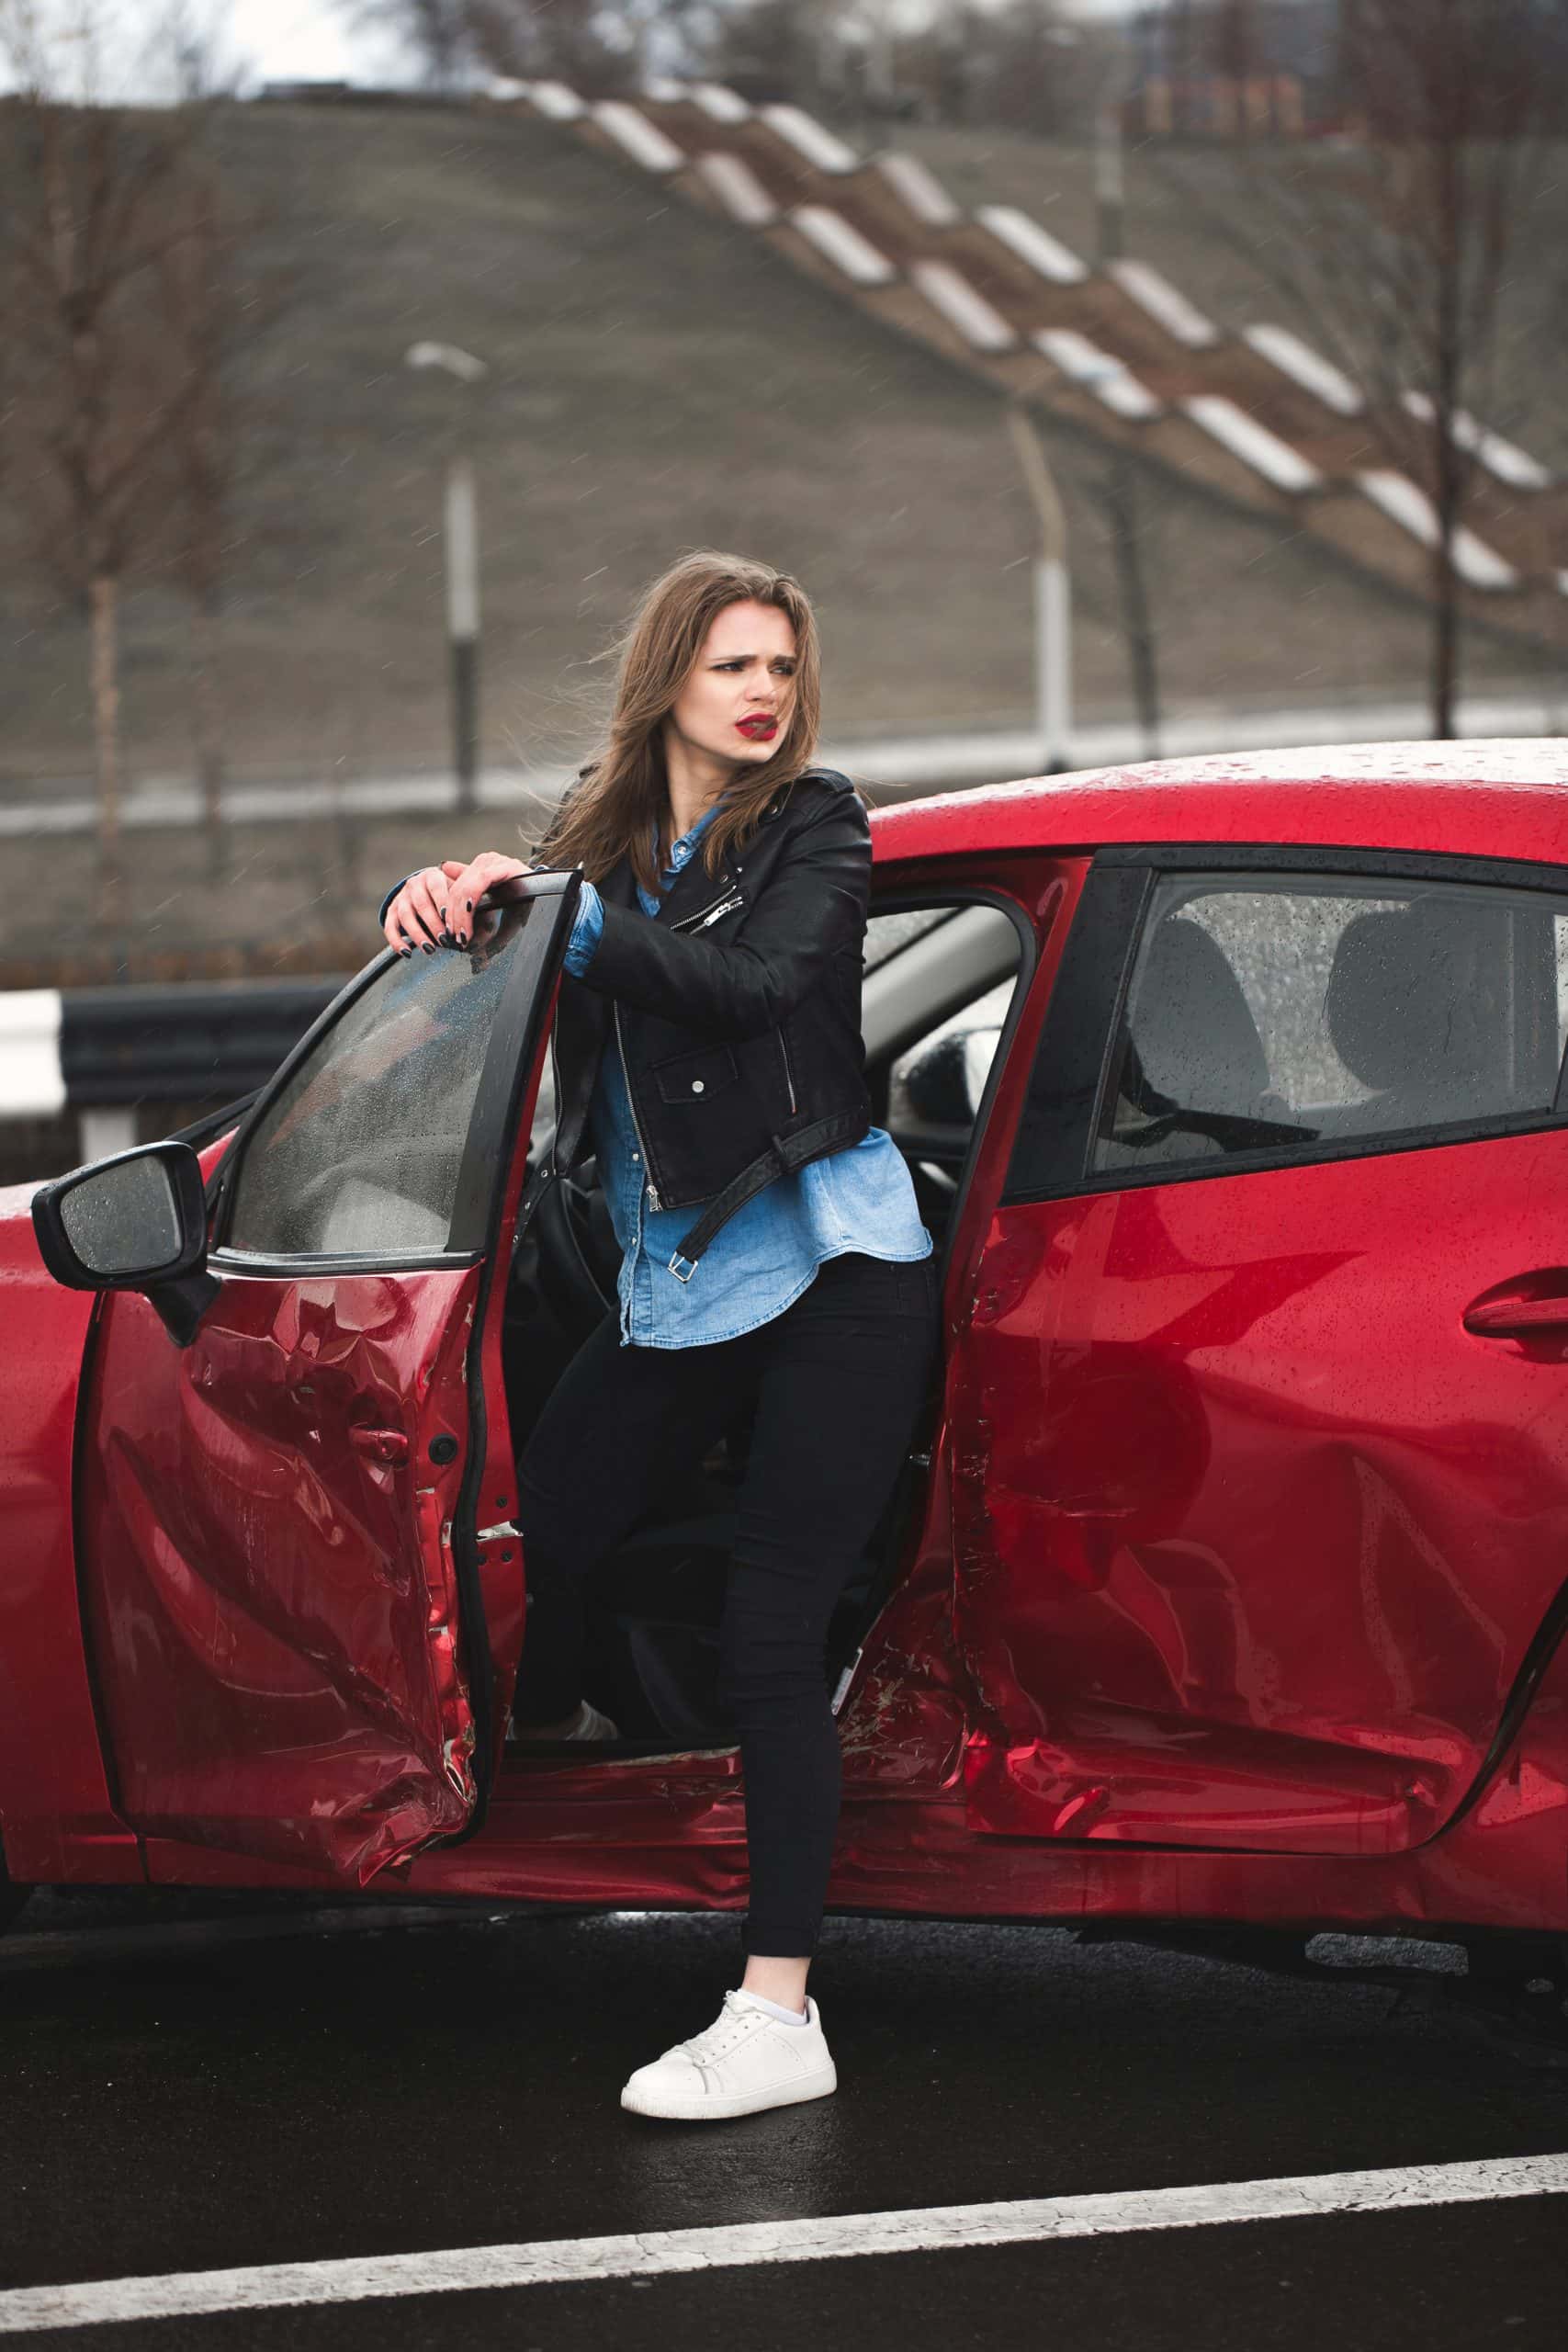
point(309, 41)
point(262, 40)
point(312, 39)
point(275, 41)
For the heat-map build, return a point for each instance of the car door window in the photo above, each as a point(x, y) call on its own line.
point(361, 1152)
point(1283, 1014)
point(939, 982)
point(942, 1075)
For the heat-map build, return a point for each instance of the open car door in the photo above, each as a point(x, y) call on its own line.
point(287, 1572)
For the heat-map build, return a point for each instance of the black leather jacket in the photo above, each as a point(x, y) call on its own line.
point(737, 1011)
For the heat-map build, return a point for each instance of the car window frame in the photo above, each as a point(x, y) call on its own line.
point(509, 1056)
point(213, 1124)
point(1075, 1064)
point(907, 894)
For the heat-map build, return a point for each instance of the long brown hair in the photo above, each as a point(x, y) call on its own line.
point(612, 810)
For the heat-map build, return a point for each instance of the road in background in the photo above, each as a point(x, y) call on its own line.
point(888, 765)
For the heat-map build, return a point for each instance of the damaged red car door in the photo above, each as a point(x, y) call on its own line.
point(283, 1589)
point(1264, 1499)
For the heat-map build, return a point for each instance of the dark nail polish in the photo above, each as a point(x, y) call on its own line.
point(469, 904)
point(428, 949)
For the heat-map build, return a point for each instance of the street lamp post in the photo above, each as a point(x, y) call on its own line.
point(1053, 602)
point(1115, 80)
point(1109, 181)
point(462, 569)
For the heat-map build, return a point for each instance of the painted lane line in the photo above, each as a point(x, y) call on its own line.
point(934, 2229)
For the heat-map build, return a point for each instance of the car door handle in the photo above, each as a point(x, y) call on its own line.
point(379, 1445)
point(1517, 1318)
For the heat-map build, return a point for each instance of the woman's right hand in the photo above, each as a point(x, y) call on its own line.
point(424, 913)
point(417, 916)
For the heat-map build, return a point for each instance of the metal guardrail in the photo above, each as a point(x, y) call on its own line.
point(90, 1049)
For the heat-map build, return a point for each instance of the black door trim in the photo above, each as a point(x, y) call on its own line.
point(1316, 857)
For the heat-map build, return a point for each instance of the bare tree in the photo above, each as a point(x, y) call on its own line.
point(214, 306)
point(1039, 63)
point(1234, 53)
point(92, 388)
point(596, 49)
point(946, 61)
point(440, 32)
point(771, 49)
point(1394, 249)
point(1120, 493)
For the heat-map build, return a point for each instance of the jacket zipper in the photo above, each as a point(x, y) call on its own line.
point(789, 1074)
point(653, 1200)
point(723, 906)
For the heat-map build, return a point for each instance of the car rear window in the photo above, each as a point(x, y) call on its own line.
point(1276, 1013)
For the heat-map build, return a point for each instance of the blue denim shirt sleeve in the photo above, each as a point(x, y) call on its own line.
point(585, 932)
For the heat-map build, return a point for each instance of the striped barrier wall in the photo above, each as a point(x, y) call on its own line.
point(1255, 413)
point(102, 1052)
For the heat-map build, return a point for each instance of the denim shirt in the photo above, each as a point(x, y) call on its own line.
point(760, 1261)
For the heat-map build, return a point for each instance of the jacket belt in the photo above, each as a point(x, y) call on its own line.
point(784, 1155)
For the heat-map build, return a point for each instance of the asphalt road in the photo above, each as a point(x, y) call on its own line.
point(188, 2085)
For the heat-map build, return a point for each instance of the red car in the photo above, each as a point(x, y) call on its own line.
point(1229, 1581)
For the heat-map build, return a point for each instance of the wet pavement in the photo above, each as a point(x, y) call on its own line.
point(189, 2083)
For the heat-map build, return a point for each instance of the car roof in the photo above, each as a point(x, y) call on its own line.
point(1506, 798)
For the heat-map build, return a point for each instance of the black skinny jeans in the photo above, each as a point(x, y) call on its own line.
point(838, 1379)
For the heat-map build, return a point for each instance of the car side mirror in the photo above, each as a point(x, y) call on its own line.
point(946, 1082)
point(135, 1222)
point(936, 1084)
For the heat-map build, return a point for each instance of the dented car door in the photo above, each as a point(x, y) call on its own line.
point(282, 1583)
point(1263, 1412)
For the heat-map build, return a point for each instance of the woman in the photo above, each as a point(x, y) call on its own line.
point(708, 1046)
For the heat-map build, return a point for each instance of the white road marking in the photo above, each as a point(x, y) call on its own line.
point(924, 2230)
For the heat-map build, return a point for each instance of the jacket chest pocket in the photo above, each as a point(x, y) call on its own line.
point(697, 1076)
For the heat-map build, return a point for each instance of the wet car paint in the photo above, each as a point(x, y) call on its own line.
point(56, 1812)
point(267, 1570)
point(1235, 1564)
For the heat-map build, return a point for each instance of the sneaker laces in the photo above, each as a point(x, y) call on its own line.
point(731, 2026)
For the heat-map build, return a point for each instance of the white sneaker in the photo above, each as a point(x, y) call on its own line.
point(747, 2059)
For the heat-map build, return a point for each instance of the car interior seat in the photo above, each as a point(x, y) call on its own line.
point(1409, 1017)
point(1195, 1059)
